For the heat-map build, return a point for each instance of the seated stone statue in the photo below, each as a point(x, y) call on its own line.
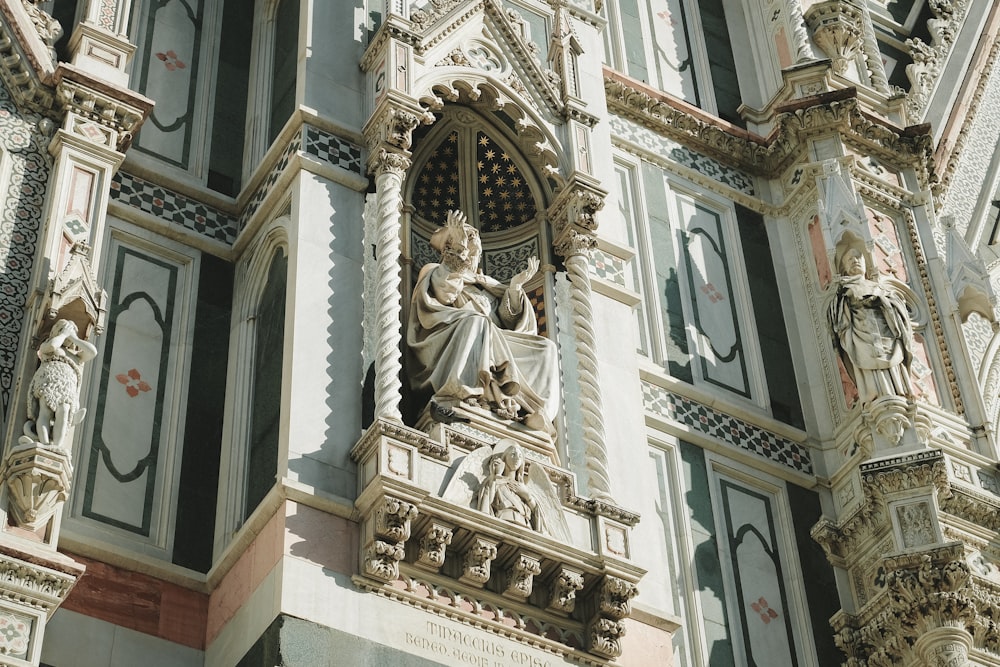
point(872, 331)
point(474, 340)
point(54, 394)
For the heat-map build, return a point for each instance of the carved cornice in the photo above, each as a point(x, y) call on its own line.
point(121, 111)
point(922, 593)
point(838, 111)
point(25, 582)
point(372, 439)
point(19, 70)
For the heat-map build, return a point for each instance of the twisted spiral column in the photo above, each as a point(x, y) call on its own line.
point(390, 170)
point(869, 47)
point(800, 36)
point(576, 251)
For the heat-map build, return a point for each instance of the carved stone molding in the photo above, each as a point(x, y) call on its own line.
point(796, 121)
point(420, 541)
point(837, 29)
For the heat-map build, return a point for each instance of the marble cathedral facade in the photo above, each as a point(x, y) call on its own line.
point(499, 332)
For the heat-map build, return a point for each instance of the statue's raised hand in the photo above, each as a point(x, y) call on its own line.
point(455, 220)
point(517, 282)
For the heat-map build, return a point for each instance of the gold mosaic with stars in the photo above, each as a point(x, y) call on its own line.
point(504, 198)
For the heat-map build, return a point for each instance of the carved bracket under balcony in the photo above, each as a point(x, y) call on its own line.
point(492, 533)
point(837, 28)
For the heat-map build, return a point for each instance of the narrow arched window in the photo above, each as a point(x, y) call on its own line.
point(286, 39)
point(265, 408)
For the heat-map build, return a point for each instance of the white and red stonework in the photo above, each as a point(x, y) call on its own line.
point(219, 447)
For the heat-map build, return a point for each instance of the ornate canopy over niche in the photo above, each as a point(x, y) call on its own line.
point(465, 162)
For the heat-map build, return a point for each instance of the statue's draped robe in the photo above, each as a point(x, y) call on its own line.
point(461, 329)
point(873, 331)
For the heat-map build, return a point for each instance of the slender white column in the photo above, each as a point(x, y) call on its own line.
point(390, 170)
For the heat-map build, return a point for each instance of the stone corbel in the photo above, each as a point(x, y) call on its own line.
point(38, 482)
point(837, 29)
point(521, 574)
point(605, 629)
point(478, 560)
point(566, 583)
point(434, 544)
point(386, 534)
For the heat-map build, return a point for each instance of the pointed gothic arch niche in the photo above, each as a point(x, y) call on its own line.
point(476, 162)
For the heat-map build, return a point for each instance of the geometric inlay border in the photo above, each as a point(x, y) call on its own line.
point(173, 207)
point(728, 429)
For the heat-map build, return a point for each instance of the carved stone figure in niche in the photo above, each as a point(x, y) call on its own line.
point(499, 481)
point(54, 394)
point(871, 329)
point(474, 340)
point(504, 494)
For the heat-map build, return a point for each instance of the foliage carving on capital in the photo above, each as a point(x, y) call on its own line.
point(837, 28)
point(615, 597)
point(49, 30)
point(574, 243)
point(604, 637)
point(390, 162)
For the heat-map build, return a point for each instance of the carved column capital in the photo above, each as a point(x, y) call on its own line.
point(605, 630)
point(389, 162)
point(575, 244)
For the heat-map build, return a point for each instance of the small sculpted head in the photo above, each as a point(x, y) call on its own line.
point(853, 263)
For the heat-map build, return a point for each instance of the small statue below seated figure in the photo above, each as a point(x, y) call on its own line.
point(504, 493)
point(872, 330)
point(500, 482)
point(473, 340)
point(54, 394)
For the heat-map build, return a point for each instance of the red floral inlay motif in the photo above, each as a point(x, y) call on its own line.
point(133, 382)
point(766, 613)
point(712, 293)
point(171, 61)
